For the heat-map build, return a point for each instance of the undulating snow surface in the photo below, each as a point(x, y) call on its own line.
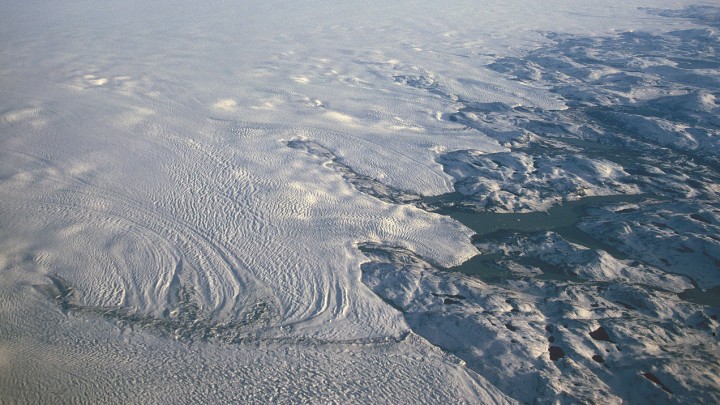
point(237, 202)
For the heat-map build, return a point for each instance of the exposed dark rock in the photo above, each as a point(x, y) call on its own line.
point(600, 334)
point(653, 378)
point(556, 353)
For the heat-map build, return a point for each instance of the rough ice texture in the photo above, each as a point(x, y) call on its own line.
point(542, 336)
point(680, 238)
point(161, 242)
point(521, 182)
point(587, 264)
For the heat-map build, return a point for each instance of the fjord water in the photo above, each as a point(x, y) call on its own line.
point(220, 201)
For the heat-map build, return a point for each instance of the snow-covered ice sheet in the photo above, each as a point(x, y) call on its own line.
point(187, 190)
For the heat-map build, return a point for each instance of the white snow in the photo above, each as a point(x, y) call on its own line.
point(160, 242)
point(520, 182)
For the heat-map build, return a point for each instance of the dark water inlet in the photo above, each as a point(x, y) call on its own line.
point(556, 218)
point(563, 220)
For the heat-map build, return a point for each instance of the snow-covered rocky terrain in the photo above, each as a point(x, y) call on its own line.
point(359, 202)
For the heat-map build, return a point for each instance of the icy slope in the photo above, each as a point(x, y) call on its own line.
point(186, 188)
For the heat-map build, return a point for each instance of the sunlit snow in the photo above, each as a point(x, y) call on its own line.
point(359, 202)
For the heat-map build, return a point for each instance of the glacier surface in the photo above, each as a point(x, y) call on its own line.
point(229, 201)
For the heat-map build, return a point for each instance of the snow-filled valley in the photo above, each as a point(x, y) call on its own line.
point(381, 202)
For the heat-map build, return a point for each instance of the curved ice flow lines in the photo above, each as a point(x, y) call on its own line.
point(310, 226)
point(117, 252)
point(238, 220)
